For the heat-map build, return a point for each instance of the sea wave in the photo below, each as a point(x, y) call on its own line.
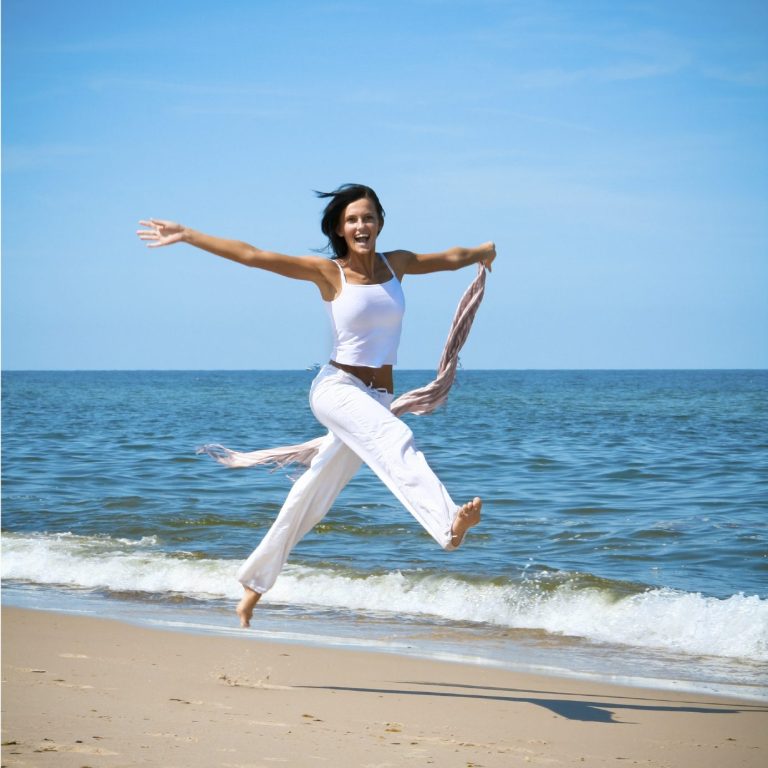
point(576, 605)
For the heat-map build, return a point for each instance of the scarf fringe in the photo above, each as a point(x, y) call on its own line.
point(418, 401)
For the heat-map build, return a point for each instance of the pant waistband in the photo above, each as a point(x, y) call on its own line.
point(363, 374)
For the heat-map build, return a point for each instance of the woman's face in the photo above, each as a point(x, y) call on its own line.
point(360, 226)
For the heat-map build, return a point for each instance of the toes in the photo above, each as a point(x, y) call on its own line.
point(467, 509)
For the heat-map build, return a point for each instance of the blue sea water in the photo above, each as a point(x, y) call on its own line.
point(625, 528)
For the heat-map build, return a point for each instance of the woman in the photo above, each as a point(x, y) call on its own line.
point(352, 393)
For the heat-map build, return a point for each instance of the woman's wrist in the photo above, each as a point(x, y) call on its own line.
point(477, 254)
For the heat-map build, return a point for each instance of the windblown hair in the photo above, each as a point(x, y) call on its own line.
point(340, 199)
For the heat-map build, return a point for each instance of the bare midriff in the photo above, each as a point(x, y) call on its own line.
point(378, 378)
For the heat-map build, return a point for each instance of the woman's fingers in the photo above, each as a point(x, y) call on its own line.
point(152, 237)
point(160, 224)
point(160, 232)
point(488, 261)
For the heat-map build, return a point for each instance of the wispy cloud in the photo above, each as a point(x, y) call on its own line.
point(492, 113)
point(616, 52)
point(99, 45)
point(234, 111)
point(181, 87)
point(27, 157)
point(557, 77)
point(426, 129)
point(755, 76)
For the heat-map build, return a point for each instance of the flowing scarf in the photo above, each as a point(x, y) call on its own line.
point(418, 401)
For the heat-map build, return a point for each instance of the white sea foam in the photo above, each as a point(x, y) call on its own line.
point(664, 619)
point(119, 565)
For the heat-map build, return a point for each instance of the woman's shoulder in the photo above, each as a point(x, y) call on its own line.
point(399, 261)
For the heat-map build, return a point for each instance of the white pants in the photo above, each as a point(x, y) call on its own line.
point(362, 428)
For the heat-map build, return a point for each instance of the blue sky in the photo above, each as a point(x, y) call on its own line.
point(617, 152)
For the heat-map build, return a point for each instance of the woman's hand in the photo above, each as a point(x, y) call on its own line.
point(490, 248)
point(160, 232)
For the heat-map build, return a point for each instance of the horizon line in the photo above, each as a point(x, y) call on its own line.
point(313, 369)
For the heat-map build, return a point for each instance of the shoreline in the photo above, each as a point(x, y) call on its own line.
point(79, 687)
point(559, 657)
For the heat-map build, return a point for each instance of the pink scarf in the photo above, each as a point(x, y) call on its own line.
point(419, 401)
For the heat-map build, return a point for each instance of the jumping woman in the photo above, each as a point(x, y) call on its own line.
point(351, 395)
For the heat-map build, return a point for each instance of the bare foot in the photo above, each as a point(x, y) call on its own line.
point(466, 517)
point(246, 605)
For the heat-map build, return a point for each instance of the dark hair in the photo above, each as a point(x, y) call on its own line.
point(340, 199)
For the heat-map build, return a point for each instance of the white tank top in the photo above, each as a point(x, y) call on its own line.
point(366, 321)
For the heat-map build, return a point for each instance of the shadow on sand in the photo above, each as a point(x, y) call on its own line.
point(573, 706)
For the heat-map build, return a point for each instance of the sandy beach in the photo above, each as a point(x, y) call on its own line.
point(79, 691)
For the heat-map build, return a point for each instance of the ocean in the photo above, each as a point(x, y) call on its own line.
point(624, 533)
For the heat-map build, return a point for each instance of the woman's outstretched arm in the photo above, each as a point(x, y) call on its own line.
point(316, 269)
point(408, 263)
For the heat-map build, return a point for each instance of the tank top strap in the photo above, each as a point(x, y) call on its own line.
point(341, 269)
point(384, 259)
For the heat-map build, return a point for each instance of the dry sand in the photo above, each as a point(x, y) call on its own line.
point(79, 691)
